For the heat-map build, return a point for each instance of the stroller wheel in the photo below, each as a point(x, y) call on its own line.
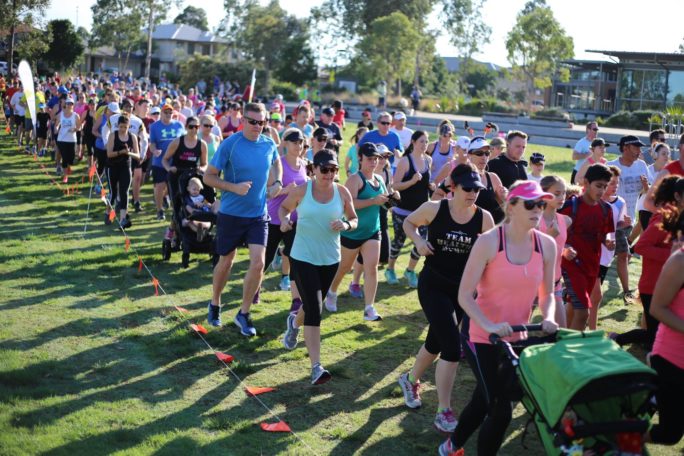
point(166, 250)
point(185, 259)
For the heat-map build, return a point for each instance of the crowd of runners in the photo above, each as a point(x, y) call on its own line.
point(500, 237)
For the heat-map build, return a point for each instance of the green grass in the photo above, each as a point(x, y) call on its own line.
point(91, 362)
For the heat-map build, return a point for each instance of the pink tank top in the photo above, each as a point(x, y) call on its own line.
point(669, 343)
point(560, 242)
point(506, 291)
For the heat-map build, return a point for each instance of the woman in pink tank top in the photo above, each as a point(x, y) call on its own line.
point(508, 267)
point(667, 357)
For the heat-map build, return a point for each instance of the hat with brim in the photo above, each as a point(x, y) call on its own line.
point(369, 150)
point(599, 142)
point(463, 142)
point(113, 106)
point(536, 157)
point(155, 110)
point(383, 150)
point(469, 180)
point(529, 190)
point(325, 157)
point(631, 140)
point(167, 107)
point(399, 115)
point(477, 143)
point(294, 136)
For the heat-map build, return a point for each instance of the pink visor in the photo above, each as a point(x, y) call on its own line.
point(529, 190)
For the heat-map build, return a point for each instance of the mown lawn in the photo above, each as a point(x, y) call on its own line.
point(91, 362)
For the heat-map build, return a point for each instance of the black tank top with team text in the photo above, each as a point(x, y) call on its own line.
point(185, 157)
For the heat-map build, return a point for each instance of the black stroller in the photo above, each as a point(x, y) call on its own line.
point(584, 393)
point(181, 237)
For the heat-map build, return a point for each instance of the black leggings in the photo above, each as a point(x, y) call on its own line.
point(400, 237)
point(68, 152)
point(439, 299)
point(313, 283)
point(642, 336)
point(119, 179)
point(670, 399)
point(101, 159)
point(490, 406)
point(274, 238)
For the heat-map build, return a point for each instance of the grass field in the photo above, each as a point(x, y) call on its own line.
point(91, 362)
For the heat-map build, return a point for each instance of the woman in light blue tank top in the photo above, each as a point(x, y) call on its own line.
point(324, 209)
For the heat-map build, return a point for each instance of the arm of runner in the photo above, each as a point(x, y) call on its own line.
point(212, 179)
point(170, 152)
point(668, 285)
point(422, 216)
point(275, 177)
point(111, 153)
point(289, 205)
point(443, 173)
point(580, 174)
point(402, 168)
point(135, 153)
point(352, 220)
point(203, 156)
point(577, 155)
point(547, 302)
point(96, 125)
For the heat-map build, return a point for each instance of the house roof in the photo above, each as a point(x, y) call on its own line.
point(648, 57)
point(183, 32)
point(454, 63)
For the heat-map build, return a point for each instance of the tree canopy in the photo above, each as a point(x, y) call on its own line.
point(66, 45)
point(194, 16)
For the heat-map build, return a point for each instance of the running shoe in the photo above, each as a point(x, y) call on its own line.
point(125, 223)
point(331, 301)
point(277, 262)
point(291, 333)
point(628, 297)
point(391, 277)
point(166, 203)
point(445, 421)
point(370, 314)
point(447, 449)
point(160, 215)
point(244, 322)
point(355, 290)
point(97, 189)
point(285, 283)
point(214, 315)
point(411, 392)
point(137, 206)
point(58, 170)
point(319, 375)
point(412, 278)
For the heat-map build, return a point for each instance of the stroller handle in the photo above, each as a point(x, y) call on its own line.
point(495, 338)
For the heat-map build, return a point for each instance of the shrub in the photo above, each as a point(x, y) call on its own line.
point(634, 120)
point(552, 113)
point(477, 106)
point(286, 89)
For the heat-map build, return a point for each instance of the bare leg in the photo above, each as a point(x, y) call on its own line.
point(159, 192)
point(357, 270)
point(348, 257)
point(560, 314)
point(579, 319)
point(312, 338)
point(424, 359)
point(255, 273)
point(220, 277)
point(412, 264)
point(445, 374)
point(622, 270)
point(137, 182)
point(596, 297)
point(371, 256)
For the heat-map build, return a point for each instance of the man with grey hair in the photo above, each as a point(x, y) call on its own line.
point(383, 135)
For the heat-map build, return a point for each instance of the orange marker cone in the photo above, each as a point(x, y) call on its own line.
point(256, 390)
point(280, 426)
point(127, 244)
point(224, 357)
point(199, 328)
point(155, 282)
point(91, 172)
point(112, 215)
point(140, 264)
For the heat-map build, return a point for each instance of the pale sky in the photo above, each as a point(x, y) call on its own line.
point(617, 25)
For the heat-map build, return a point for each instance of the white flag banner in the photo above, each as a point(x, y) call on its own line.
point(26, 78)
point(251, 85)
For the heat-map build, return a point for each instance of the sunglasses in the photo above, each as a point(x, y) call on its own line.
point(251, 121)
point(471, 189)
point(530, 205)
point(207, 125)
point(384, 122)
point(595, 129)
point(192, 127)
point(296, 141)
point(328, 169)
point(321, 138)
point(480, 153)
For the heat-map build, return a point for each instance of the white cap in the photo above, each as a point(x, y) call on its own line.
point(399, 115)
point(463, 142)
point(478, 142)
point(113, 106)
point(155, 110)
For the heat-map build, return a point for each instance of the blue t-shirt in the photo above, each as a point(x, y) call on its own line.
point(307, 130)
point(162, 135)
point(243, 160)
point(391, 140)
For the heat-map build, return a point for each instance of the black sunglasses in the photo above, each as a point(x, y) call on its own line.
point(207, 125)
point(328, 169)
point(595, 129)
point(321, 138)
point(530, 205)
point(192, 127)
point(471, 189)
point(480, 153)
point(251, 121)
point(384, 122)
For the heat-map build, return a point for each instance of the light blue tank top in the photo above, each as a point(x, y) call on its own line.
point(315, 242)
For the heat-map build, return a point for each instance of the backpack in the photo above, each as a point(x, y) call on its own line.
point(574, 201)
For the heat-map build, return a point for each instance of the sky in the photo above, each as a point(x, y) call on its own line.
point(616, 25)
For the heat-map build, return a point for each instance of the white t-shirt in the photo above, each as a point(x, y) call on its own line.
point(533, 178)
point(187, 112)
point(584, 146)
point(18, 109)
point(404, 136)
point(630, 183)
point(618, 207)
point(65, 125)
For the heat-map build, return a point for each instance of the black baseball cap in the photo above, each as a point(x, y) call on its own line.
point(468, 180)
point(599, 142)
point(328, 111)
point(320, 131)
point(295, 135)
point(369, 150)
point(536, 157)
point(630, 140)
point(325, 157)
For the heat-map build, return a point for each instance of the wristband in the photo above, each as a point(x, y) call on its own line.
point(348, 225)
point(277, 181)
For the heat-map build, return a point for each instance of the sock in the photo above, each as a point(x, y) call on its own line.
point(285, 275)
point(411, 378)
point(442, 410)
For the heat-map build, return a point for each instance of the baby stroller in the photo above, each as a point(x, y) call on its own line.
point(584, 393)
point(183, 237)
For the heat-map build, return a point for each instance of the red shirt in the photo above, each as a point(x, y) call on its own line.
point(654, 246)
point(338, 118)
point(586, 234)
point(675, 168)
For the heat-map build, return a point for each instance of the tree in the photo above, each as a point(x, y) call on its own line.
point(480, 79)
point(33, 46)
point(16, 12)
point(391, 46)
point(191, 15)
point(118, 23)
point(536, 44)
point(297, 63)
point(66, 46)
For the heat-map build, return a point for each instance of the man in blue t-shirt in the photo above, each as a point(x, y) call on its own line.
point(248, 160)
point(162, 133)
point(383, 135)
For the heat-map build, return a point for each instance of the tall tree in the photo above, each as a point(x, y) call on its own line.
point(66, 46)
point(118, 23)
point(16, 12)
point(297, 63)
point(536, 44)
point(391, 46)
point(194, 16)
